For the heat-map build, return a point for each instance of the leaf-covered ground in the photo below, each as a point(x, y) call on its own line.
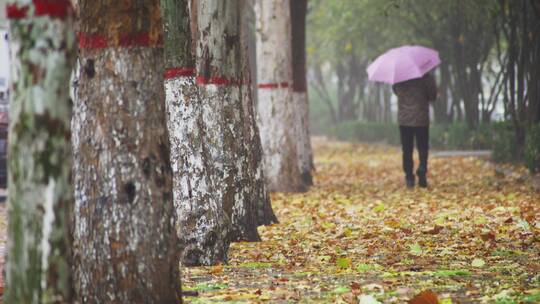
point(359, 236)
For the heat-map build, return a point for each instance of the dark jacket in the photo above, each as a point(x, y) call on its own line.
point(413, 100)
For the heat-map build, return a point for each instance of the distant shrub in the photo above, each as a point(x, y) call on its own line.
point(504, 143)
point(367, 132)
point(532, 148)
point(452, 136)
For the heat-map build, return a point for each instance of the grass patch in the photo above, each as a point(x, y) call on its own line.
point(256, 265)
point(210, 287)
point(505, 253)
point(447, 273)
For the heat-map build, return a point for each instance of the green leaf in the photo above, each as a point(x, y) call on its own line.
point(479, 263)
point(328, 225)
point(341, 290)
point(343, 263)
point(363, 267)
point(532, 298)
point(415, 249)
point(379, 208)
point(480, 220)
point(347, 232)
point(440, 221)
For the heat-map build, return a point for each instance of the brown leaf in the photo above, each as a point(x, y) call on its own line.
point(349, 298)
point(406, 230)
point(216, 269)
point(435, 230)
point(489, 236)
point(355, 286)
point(425, 297)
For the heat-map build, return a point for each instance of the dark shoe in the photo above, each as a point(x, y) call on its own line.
point(422, 181)
point(409, 182)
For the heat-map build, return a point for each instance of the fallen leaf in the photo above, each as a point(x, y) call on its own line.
point(349, 298)
point(425, 297)
point(415, 249)
point(341, 290)
point(355, 286)
point(368, 299)
point(478, 263)
point(216, 269)
point(379, 208)
point(436, 230)
point(343, 263)
point(488, 236)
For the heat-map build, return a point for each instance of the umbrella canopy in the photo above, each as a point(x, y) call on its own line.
point(403, 63)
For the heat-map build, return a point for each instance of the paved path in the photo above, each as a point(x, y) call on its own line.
point(471, 153)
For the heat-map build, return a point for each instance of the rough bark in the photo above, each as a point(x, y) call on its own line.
point(125, 245)
point(298, 9)
point(264, 213)
point(275, 110)
point(40, 193)
point(224, 84)
point(203, 228)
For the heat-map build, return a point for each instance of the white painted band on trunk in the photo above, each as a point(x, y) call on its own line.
point(48, 220)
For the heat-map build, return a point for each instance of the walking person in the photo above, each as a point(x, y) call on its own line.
point(414, 97)
point(407, 68)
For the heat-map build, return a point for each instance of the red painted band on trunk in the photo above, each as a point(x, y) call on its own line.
point(94, 41)
point(216, 80)
point(135, 40)
point(98, 41)
point(178, 72)
point(273, 85)
point(51, 8)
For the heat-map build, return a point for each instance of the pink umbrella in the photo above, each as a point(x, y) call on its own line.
point(403, 63)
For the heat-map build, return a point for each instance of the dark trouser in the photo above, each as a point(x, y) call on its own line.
point(407, 144)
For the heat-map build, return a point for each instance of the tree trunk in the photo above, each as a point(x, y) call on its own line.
point(440, 106)
point(298, 9)
point(387, 105)
point(203, 229)
point(224, 86)
point(264, 212)
point(40, 197)
point(276, 113)
point(125, 245)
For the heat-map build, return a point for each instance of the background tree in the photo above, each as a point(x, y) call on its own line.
point(520, 23)
point(125, 245)
point(264, 213)
point(298, 9)
point(204, 230)
point(232, 137)
point(275, 109)
point(342, 48)
point(40, 193)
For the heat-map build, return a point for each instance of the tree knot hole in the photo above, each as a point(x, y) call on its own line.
point(130, 191)
point(89, 68)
